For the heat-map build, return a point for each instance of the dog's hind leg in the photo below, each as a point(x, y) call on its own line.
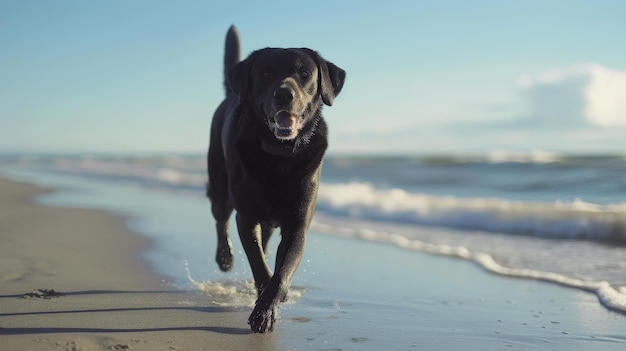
point(224, 255)
point(221, 209)
point(217, 192)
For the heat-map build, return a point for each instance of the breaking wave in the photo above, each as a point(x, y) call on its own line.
point(558, 220)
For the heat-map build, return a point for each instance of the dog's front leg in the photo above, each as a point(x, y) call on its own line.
point(288, 258)
point(250, 235)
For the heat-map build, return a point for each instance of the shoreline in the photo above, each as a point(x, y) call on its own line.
point(405, 299)
point(611, 299)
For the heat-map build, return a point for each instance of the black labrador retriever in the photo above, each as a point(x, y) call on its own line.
point(268, 138)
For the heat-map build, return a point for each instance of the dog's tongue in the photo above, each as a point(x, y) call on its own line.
point(285, 120)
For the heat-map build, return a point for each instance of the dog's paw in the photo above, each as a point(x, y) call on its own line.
point(224, 257)
point(263, 319)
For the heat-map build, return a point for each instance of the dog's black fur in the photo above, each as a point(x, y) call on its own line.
point(265, 158)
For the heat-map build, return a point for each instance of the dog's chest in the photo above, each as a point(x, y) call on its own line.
point(267, 190)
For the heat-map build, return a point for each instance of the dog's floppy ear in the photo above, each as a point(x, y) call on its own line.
point(330, 78)
point(238, 77)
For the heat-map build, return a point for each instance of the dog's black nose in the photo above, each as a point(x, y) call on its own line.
point(284, 96)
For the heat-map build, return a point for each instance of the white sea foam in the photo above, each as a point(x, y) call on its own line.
point(533, 156)
point(613, 298)
point(575, 219)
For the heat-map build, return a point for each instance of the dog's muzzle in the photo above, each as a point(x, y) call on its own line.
point(283, 96)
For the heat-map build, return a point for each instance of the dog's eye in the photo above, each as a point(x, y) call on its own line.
point(305, 74)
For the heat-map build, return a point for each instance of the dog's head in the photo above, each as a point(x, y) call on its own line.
point(286, 87)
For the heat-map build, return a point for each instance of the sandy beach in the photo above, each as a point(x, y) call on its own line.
point(76, 279)
point(96, 291)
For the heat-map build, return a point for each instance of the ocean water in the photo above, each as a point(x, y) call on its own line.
point(558, 218)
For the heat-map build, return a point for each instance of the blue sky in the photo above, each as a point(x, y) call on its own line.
point(423, 76)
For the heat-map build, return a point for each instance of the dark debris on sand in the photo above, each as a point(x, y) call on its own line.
point(42, 294)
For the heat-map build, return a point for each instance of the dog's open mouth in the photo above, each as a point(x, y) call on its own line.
point(285, 125)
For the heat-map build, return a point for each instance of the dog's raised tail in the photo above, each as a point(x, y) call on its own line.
point(232, 54)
